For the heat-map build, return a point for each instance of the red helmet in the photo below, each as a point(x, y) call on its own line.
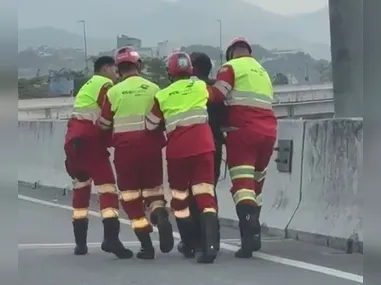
point(127, 54)
point(179, 63)
point(239, 40)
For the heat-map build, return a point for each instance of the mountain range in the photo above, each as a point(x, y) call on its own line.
point(185, 22)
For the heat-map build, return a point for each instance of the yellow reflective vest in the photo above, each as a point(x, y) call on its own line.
point(252, 84)
point(183, 103)
point(130, 101)
point(85, 105)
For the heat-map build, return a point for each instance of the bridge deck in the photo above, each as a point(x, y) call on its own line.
point(45, 255)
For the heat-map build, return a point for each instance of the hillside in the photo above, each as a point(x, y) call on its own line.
point(296, 66)
point(158, 21)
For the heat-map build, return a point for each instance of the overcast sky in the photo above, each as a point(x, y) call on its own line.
point(290, 7)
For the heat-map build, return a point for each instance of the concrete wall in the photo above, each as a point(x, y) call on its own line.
point(318, 201)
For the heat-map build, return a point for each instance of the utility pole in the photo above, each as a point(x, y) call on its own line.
point(221, 53)
point(85, 45)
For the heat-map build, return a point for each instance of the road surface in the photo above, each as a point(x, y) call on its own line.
point(45, 255)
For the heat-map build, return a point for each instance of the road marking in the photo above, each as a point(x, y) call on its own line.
point(265, 240)
point(71, 245)
point(229, 247)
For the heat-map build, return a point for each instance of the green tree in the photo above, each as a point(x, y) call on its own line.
point(155, 70)
point(280, 79)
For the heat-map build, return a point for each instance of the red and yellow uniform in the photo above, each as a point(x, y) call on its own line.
point(87, 161)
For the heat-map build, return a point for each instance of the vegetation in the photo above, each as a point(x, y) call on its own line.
point(39, 65)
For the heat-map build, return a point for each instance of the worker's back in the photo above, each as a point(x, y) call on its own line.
point(130, 101)
point(183, 105)
point(87, 108)
point(250, 101)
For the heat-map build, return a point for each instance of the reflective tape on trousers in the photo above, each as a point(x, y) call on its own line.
point(188, 118)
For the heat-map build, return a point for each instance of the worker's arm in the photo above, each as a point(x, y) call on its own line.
point(155, 117)
point(106, 119)
point(223, 85)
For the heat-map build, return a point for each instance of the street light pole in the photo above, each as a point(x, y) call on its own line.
point(221, 54)
point(85, 44)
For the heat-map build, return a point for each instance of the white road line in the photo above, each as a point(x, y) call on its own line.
point(235, 240)
point(232, 248)
point(70, 245)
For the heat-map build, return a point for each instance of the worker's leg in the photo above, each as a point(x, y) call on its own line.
point(75, 164)
point(179, 181)
point(104, 181)
point(265, 147)
point(241, 157)
point(128, 171)
point(202, 182)
point(153, 194)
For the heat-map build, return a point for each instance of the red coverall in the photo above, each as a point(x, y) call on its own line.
point(190, 162)
point(87, 160)
point(139, 170)
point(252, 141)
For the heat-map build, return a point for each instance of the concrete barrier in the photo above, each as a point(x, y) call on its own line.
point(330, 208)
point(41, 156)
point(318, 201)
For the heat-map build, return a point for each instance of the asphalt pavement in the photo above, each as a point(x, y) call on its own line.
point(45, 255)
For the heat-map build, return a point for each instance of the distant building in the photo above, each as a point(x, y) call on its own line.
point(165, 48)
point(123, 40)
point(60, 83)
point(146, 52)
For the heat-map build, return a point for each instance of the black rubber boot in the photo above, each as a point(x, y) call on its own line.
point(209, 227)
point(147, 250)
point(111, 242)
point(195, 214)
point(159, 218)
point(186, 230)
point(80, 227)
point(250, 228)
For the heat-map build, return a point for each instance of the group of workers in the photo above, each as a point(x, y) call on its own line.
point(191, 118)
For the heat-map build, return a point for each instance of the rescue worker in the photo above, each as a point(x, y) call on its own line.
point(202, 65)
point(87, 161)
point(189, 153)
point(138, 152)
point(246, 88)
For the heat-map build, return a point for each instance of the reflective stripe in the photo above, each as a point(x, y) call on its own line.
point(79, 185)
point(157, 191)
point(80, 213)
point(152, 121)
point(203, 188)
point(104, 124)
point(129, 124)
point(106, 188)
point(156, 204)
point(180, 195)
point(259, 200)
point(209, 210)
point(260, 175)
point(244, 194)
point(87, 114)
point(109, 213)
point(130, 195)
point(242, 171)
point(181, 214)
point(223, 87)
point(187, 118)
point(250, 99)
point(153, 118)
point(139, 223)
